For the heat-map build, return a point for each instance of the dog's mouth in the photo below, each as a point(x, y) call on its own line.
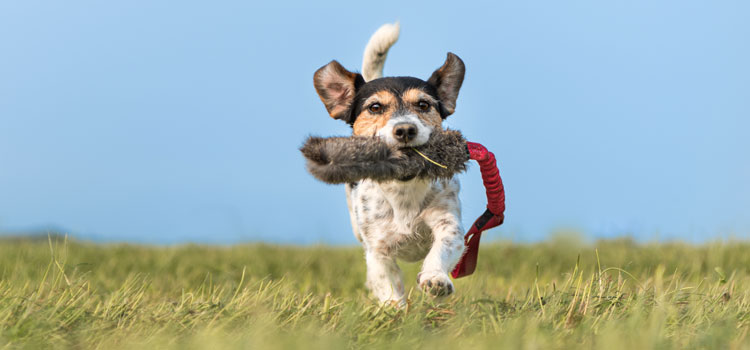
point(404, 145)
point(421, 150)
point(424, 139)
point(418, 144)
point(408, 145)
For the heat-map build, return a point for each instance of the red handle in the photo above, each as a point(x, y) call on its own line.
point(492, 217)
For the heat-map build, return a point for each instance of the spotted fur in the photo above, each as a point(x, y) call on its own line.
point(408, 220)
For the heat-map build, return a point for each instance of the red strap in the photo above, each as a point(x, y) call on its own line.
point(493, 216)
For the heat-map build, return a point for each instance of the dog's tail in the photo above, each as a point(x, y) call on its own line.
point(377, 49)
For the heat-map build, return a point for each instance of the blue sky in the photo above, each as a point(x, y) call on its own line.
point(164, 122)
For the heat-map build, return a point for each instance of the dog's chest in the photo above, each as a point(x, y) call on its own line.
point(393, 204)
point(388, 215)
point(406, 201)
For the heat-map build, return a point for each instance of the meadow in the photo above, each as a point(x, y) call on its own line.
point(562, 293)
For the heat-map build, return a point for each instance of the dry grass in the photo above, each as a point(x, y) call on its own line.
point(556, 294)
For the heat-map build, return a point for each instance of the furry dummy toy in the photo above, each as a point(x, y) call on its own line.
point(338, 160)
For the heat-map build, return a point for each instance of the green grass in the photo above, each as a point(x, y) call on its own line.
point(557, 294)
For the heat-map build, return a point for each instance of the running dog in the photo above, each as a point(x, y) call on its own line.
point(410, 218)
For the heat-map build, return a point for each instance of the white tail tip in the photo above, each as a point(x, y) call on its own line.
point(377, 50)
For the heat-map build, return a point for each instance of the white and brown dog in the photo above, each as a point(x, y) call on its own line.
point(408, 219)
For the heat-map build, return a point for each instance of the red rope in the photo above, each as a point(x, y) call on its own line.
point(492, 217)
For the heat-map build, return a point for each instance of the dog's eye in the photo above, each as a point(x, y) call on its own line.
point(423, 106)
point(375, 108)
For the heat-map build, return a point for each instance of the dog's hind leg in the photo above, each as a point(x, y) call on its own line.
point(384, 279)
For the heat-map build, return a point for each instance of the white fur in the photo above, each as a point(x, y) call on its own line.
point(408, 220)
point(423, 130)
point(377, 49)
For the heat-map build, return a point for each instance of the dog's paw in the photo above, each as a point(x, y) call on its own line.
point(436, 283)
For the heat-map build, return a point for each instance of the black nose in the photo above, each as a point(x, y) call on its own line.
point(404, 132)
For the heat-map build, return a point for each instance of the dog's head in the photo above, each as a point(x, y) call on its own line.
point(401, 110)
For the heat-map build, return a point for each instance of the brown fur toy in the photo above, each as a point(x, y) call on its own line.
point(338, 160)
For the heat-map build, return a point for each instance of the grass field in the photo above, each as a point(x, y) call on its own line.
point(557, 294)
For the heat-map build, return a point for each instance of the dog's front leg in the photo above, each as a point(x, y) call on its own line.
point(446, 250)
point(384, 278)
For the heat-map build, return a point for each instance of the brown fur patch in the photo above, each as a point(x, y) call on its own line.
point(367, 123)
point(432, 117)
point(336, 87)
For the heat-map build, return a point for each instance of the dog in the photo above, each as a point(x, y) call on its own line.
point(410, 218)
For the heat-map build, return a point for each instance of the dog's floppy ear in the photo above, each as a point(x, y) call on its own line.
point(447, 80)
point(336, 87)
